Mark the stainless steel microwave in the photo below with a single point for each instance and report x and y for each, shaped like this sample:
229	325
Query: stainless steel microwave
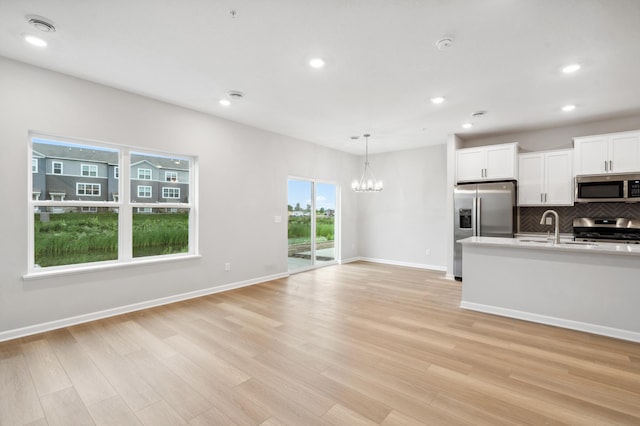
608	188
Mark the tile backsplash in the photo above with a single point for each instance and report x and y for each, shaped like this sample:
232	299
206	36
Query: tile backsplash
529	217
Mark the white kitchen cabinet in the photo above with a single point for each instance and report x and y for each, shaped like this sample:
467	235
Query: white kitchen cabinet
493	162
545	178
610	153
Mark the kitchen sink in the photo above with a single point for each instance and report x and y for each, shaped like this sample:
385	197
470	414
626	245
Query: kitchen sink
562	243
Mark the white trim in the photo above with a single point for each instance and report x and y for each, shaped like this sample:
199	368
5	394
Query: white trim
407	264
170	189
34	162
116	172
146	170
90	167
166	175
145	196
85	184
79	319
555	321
53	168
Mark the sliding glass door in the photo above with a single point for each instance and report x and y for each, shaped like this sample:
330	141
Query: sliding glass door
312	223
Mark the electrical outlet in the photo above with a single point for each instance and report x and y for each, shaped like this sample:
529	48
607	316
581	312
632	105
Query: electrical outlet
547	220
227	266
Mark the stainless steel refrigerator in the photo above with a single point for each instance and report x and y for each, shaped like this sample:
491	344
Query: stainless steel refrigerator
482	209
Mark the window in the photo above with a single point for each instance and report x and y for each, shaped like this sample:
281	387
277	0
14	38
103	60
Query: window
171	177
144	191
171	193
56	168
105	219
92	189
144	174
90	170
34	165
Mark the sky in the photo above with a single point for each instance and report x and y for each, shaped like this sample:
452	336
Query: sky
300	192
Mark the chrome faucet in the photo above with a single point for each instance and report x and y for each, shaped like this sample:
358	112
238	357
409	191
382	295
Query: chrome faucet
556	235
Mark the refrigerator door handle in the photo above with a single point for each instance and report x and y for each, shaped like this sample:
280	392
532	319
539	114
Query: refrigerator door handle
473	217
478	216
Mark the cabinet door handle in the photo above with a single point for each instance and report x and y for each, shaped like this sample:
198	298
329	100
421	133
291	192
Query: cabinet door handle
541	197
545	197
606	167
610	165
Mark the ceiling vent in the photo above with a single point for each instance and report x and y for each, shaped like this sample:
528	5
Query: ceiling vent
478	114
41	24
236	95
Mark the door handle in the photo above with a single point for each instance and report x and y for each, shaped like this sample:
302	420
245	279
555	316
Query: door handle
479	212
606	167
545	197
541	197
473	217
610	165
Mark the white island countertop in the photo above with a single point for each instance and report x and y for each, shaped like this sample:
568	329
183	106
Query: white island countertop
564	246
588	287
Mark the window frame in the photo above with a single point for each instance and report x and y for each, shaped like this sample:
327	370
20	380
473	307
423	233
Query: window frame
53	168
85	185
124	205
116	172
167	175
145	170
90	168
145	186
170	189
34	165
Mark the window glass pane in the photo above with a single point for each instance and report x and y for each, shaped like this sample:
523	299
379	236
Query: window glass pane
299	228
158	179
88	171
325	222
159	231
71	235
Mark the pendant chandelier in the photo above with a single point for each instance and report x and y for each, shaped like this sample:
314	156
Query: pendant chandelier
368	181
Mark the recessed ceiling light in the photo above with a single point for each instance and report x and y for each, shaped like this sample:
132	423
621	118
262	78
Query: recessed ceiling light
437	100
316	63
225	102
467	125
568	108
35	41
571	68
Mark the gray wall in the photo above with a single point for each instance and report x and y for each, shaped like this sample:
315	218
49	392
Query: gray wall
408	217
242	186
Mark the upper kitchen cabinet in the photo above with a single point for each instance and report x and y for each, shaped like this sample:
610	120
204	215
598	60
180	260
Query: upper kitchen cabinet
493	162
545	178
611	153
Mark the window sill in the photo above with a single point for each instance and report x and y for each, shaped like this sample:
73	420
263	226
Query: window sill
104	266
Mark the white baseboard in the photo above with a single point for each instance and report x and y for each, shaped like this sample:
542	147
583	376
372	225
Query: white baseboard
407	264
66	322
350	260
558	322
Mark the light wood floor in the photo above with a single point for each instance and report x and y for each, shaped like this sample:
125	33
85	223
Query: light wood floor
357	344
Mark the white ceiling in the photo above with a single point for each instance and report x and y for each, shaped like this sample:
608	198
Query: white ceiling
382	65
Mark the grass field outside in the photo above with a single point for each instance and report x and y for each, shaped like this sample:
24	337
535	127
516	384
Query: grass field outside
73	238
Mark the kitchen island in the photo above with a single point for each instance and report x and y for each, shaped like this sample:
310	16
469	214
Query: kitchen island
587	287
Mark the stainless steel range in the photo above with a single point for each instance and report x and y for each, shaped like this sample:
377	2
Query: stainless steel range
607	229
